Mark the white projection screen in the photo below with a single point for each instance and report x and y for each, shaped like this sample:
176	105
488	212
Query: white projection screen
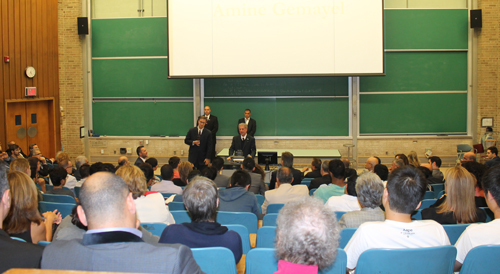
259	38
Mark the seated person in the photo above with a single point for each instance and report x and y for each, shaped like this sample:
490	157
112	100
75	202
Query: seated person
174	162
458	206
287	161
70	179
154	164
307	237
347	202
209	172
243	143
436	164
285	191
478	171
149	173
58	177
220	180
200	199
184	169
492	154
325	178
482	234
369	188
336	187
405	189
314	171
85	173
382	171
257	186
166	185
237	198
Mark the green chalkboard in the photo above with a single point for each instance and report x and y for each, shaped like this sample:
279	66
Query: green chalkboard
420	71
129	37
284	117
142	118
413	113
137	78
426	29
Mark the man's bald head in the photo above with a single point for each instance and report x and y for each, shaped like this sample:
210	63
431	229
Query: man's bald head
104	201
346	162
469	157
371	163
123	161
284	176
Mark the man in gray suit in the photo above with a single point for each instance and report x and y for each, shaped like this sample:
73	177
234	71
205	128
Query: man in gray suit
257	186
221	180
112	242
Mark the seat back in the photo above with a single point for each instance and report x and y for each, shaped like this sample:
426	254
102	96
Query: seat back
306	181
154	228
265	237
339	214
43	243
441	193
167	195
214	260
49	187
426	203
260	199
311	192
180	216
176	206
430	260
63	208
244	235
274	208
247	219
482	259
77	191
417	214
454	231
59	198
489	214
18	239
429	195
269	219
345	236
437	189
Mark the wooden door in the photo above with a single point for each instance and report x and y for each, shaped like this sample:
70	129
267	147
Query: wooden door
38	126
16	125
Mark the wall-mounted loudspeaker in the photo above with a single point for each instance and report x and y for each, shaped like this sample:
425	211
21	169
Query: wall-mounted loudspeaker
476	19
83	25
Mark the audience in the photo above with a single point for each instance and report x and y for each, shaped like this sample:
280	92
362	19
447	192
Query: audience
314	171
79	161
70	180
405	189
45	165
85	173
371	163
60	156
369	188
458	205
346	202
184	169
237	198
325	178
148	173
285	191
307	237
337	185
492	154
58	177
123	161
257	186
396	163
209	172
413	159
478	171
112	242
286	161
469	157
35	172
142	153
382	171
166	185
436	164
200	200
154	164
174	162
220	180
403	157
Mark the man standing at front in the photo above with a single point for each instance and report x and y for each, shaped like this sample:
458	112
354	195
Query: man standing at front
251	123
213	126
199	140
143	154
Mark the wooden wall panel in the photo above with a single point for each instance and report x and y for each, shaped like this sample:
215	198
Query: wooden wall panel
29	37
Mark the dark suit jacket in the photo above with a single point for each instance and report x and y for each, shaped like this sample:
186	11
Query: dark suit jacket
16	254
197	154
297	178
315	183
493	162
118	252
247	146
213	126
313	174
252	126
138	161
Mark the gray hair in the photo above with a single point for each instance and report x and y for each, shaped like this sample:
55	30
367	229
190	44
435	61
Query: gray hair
200	199
287	159
34	151
399	162
285	175
369	188
4	183
242	124
325	165
80	161
307	233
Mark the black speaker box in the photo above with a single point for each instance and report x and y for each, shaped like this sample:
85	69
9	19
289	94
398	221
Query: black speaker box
83	25
476	19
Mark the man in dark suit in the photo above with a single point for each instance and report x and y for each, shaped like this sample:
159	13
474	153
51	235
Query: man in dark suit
251	124
325	178
243	142
143	154
287	161
213	126
113	243
199	140
314	170
13	253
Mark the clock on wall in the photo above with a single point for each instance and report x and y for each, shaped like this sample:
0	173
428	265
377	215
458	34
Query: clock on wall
30	72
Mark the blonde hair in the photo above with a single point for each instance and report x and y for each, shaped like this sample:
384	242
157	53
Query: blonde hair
135	179
24	206
460	195
184	168
60	156
20	164
413	159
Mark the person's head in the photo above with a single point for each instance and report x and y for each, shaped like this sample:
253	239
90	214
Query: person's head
174	161
378	160
16	150
287	159
135	179
60	156
85	171
80	160
32	146
35	152
20	164
247	113
248	164
492	152
106	202
397	163
202	121
96	167
336	169
284	176
350	188
435	162
402	157
193	173
123	161
58	176
346	162
184	168
371	163
491	186
382	171
459	187
142	152
405	189
218	163
370	189
66	164
4	195
167	172
307	233
489	129
149	173
426	171
241	178
413	159
242	129
324	167
207	110
201	199
316	164
34	166
153	162
469	157
210	172
477	170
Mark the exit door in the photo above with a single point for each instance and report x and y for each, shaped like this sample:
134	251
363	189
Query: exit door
32	122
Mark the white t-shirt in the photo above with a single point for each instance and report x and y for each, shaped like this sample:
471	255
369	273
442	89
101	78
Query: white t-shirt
152	209
70	182
343	203
476	235
392	234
